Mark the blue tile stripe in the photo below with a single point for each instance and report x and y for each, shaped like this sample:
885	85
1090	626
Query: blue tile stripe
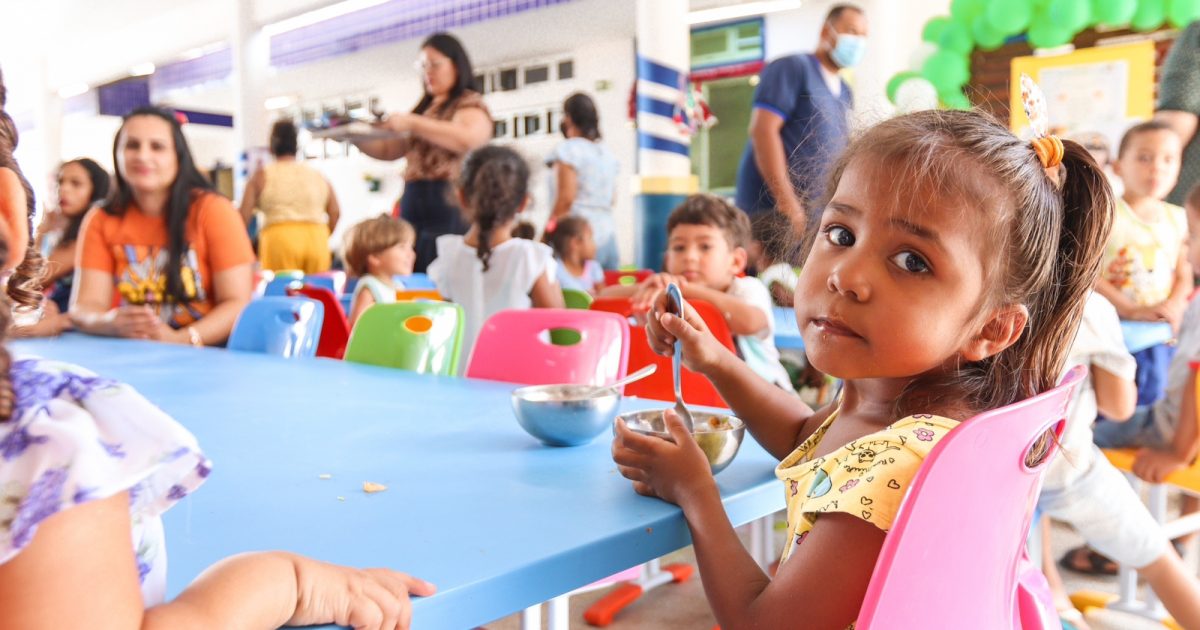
655	106
654	72
656	143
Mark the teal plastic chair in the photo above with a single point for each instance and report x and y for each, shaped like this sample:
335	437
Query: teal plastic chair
422	337
281	326
574	298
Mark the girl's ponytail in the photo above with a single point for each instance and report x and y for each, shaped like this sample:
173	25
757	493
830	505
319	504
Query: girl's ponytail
495	183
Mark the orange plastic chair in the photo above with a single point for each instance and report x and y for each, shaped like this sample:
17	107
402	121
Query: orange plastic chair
598	357
697	390
335	330
409	295
625	276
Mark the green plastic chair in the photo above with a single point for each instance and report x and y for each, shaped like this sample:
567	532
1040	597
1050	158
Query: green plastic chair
575	298
423	337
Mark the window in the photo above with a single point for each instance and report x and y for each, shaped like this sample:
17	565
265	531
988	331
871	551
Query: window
533	124
500	128
537	74
566	69
481	83
727	44
508	80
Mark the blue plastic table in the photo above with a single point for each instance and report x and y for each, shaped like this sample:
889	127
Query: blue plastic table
498	521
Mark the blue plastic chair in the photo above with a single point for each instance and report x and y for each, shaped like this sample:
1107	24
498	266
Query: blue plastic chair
417	281
288	327
278	287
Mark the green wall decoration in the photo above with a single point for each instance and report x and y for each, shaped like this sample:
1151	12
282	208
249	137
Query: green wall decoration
987	24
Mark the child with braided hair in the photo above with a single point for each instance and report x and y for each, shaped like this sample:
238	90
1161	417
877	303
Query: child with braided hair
487	270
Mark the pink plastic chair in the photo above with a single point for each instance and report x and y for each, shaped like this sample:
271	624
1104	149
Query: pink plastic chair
955	556
515	346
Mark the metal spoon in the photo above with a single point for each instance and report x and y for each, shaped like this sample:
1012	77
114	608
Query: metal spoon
675	307
636	376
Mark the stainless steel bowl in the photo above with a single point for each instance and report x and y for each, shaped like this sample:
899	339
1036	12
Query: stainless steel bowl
719	435
565	415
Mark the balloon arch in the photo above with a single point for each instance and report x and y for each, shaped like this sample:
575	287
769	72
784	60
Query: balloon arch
944	67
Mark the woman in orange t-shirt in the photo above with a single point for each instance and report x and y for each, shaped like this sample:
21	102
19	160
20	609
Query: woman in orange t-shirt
169	258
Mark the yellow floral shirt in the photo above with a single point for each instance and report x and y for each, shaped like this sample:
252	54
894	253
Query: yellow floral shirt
866	478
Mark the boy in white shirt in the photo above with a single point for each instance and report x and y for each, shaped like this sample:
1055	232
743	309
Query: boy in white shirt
706	252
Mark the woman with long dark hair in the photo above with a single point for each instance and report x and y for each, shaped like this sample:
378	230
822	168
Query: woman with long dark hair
585	176
449	121
82	185
168	250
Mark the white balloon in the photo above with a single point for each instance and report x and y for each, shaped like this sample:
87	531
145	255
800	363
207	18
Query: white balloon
923	52
916	94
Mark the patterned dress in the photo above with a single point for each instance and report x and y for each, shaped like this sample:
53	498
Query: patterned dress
76	437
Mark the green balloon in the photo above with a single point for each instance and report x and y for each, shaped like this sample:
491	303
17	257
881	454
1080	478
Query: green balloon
934	28
1044	34
1113	12
893	84
1183	12
1009	17
1150	14
1073	15
955	100
986	36
957	37
965	11
946	70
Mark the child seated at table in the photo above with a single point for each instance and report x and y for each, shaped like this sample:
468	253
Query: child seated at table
487	270
770	249
947	278
706	252
575	252
378	250
1082	489
1146	274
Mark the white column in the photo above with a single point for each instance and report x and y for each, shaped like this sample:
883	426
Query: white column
251	59
663	59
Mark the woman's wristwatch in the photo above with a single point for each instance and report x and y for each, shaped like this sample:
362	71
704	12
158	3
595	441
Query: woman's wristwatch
194	337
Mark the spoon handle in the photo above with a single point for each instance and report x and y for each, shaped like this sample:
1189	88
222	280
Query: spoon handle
675	307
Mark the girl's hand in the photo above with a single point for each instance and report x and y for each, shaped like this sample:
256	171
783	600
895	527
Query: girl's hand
364	599
673	471
1154	466
1171	312
135	322
701	350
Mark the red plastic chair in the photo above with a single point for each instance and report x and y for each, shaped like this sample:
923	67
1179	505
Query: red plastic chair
619	276
335	330
515	346
697	390
955	556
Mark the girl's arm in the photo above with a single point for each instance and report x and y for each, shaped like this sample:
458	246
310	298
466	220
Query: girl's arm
82	557
743	317
776	418
820	586
250	196
92	312
568	188
362	302
60	262
468	129
383	149
546	293
333	211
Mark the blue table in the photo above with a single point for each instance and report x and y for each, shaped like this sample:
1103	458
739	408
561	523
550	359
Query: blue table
498	521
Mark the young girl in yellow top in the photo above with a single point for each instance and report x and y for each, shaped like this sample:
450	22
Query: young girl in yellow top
947	276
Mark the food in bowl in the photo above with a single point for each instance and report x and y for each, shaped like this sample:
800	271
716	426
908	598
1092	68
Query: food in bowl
718	435
565	415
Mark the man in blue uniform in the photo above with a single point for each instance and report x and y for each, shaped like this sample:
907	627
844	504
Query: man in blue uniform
800	121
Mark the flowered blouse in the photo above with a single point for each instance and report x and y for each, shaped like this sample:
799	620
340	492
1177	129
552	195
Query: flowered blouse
76	437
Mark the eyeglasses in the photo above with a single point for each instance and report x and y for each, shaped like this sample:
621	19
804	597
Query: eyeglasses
422	65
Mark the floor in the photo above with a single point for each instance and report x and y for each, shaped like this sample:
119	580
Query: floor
683	606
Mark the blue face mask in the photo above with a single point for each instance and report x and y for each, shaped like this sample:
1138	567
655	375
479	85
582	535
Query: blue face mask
848	50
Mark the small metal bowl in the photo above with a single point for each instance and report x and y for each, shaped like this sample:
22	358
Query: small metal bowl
565	415
719	435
